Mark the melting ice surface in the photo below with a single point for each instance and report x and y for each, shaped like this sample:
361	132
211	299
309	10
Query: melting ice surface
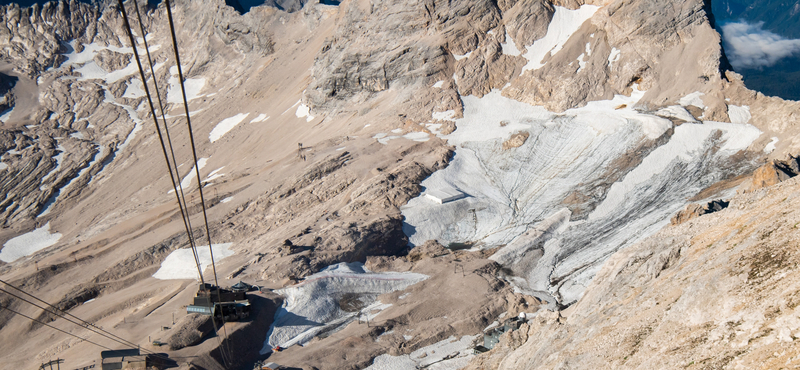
27	244
585	184
448	354
313	306
180	263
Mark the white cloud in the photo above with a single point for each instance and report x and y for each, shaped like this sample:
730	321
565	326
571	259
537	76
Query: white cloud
750	46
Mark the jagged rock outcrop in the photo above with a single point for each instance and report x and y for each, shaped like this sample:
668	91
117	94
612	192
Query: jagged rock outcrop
644	36
695	210
773	172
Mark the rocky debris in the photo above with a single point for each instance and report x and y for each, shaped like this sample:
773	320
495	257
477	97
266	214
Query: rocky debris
189	331
430	249
696	210
111	61
773	172
516	140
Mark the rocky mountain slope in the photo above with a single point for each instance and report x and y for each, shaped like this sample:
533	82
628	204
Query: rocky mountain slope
715	292
575	129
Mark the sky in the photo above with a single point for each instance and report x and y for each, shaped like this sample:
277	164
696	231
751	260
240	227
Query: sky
750	46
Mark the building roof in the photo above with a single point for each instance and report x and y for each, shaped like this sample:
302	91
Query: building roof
120	353
444	194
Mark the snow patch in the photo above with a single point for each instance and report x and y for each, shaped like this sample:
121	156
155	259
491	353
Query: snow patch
193	86
261	118
417	136
677	112
226	200
459	57
187	181
214	174
564	23
444	116
581	63
739	114
694	99
614	56
180	263
304	111
225	126
438	84
29	243
509	48
312	306
771	146
135	89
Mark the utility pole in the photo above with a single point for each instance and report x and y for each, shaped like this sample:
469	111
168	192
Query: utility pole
57	362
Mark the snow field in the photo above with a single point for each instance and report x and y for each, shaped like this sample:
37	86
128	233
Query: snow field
29	243
517	197
564	23
313	305
180	264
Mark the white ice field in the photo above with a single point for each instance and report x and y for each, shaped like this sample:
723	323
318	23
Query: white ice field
567	162
313	306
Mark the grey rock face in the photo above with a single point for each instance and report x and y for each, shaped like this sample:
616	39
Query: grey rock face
383	45
33	37
526	21
6	95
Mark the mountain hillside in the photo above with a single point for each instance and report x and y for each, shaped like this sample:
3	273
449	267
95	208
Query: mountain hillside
396	177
